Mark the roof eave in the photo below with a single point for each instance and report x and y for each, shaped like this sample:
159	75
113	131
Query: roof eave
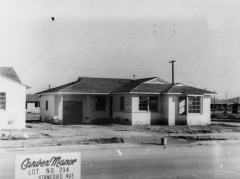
83	93
15	81
209	93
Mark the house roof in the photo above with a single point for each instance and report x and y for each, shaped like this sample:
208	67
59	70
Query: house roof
57	89
131	85
151	88
95	85
9	72
188	90
90	85
32	98
114	85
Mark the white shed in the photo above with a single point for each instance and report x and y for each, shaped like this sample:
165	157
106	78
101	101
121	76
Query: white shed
12	100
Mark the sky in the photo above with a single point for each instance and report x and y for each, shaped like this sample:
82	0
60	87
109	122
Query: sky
122	38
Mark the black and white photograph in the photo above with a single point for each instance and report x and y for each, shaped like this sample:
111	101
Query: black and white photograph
119	89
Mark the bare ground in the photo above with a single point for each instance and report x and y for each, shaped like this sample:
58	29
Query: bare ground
40	134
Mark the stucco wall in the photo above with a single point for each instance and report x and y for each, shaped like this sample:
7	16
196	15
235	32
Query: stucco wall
131	111
206	118
47	115
156	118
203	118
127	103
55	107
172	117
141	118
15	105
122	118
146	118
172	109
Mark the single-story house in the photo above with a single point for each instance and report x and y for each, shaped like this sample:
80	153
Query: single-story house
32	103
134	102
12	100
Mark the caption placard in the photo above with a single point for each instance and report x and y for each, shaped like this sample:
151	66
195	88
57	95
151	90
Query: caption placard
48	166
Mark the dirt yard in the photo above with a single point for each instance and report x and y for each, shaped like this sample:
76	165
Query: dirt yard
40	134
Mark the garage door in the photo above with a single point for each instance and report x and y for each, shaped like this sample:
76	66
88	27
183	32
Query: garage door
72	112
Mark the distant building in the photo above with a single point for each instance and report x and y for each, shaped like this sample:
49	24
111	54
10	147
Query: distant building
235	104
220	105
232	104
133	102
12	100
32	103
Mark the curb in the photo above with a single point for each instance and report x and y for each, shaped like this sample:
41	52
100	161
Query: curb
69	147
214	142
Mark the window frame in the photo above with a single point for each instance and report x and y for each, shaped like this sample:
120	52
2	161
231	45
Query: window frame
3	101
144	102
194	106
46	105
100	107
150	103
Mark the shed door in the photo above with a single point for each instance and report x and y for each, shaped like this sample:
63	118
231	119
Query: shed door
72	112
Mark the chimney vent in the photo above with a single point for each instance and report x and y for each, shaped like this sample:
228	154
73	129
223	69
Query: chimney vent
133	77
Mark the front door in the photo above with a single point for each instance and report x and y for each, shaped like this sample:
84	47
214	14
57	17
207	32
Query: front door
72	112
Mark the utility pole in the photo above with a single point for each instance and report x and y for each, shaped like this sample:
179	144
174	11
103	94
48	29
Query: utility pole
226	103
214	105
172	70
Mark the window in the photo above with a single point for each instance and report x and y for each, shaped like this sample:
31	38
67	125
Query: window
143	103
100	103
182	106
153	103
3	101
194	104
121	103
46	105
37	104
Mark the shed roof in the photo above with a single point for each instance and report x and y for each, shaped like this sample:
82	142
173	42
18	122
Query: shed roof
32	98
9	72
